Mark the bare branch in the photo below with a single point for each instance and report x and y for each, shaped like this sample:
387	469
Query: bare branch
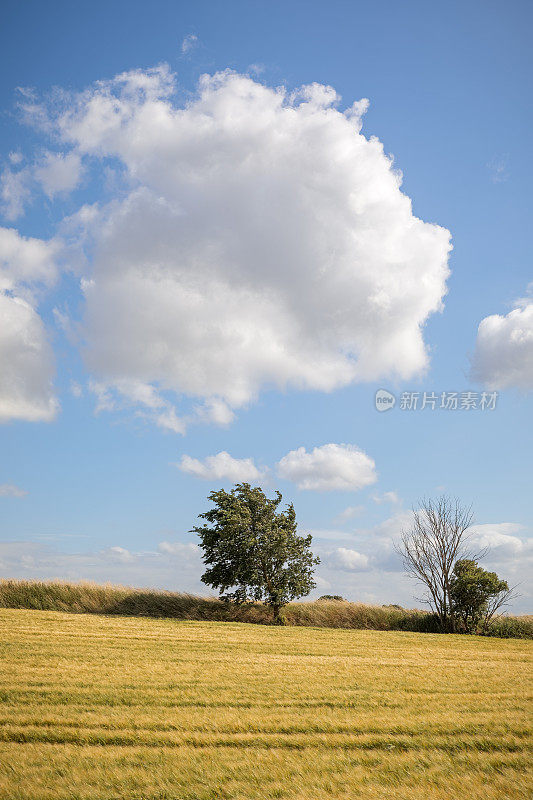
437	539
498	602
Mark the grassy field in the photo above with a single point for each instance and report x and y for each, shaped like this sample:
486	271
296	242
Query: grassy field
134	708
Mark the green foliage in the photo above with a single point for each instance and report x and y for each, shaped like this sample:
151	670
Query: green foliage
252	550
418	622
337	597
471	591
510	627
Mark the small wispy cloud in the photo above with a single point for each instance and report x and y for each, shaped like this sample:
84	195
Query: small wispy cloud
349	513
76	389
189	43
386	497
527	300
10	490
498	168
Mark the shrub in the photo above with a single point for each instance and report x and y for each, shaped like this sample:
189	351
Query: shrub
510	627
331	597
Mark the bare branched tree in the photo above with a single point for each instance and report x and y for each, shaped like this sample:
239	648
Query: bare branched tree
438	538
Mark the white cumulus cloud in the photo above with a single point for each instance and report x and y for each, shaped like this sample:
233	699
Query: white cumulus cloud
117	553
502	540
351	560
260	240
26	359
26	364
223	467
503	357
328	468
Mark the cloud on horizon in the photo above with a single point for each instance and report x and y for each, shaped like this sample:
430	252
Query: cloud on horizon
361	565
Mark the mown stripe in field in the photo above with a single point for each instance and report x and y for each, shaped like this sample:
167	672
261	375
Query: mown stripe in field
356	740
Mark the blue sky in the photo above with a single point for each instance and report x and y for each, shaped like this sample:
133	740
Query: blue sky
229	267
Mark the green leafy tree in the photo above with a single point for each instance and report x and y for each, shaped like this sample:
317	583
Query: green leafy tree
253	551
476	594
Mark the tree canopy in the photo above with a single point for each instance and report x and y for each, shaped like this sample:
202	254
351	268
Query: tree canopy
475	594
252	550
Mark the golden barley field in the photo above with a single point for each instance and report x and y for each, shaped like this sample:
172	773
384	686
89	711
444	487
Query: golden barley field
143	709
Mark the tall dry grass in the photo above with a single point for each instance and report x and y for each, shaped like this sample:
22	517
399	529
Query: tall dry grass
92	598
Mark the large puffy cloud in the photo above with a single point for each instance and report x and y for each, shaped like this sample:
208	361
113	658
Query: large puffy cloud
222	467
26	361
503	356
328	468
261	241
